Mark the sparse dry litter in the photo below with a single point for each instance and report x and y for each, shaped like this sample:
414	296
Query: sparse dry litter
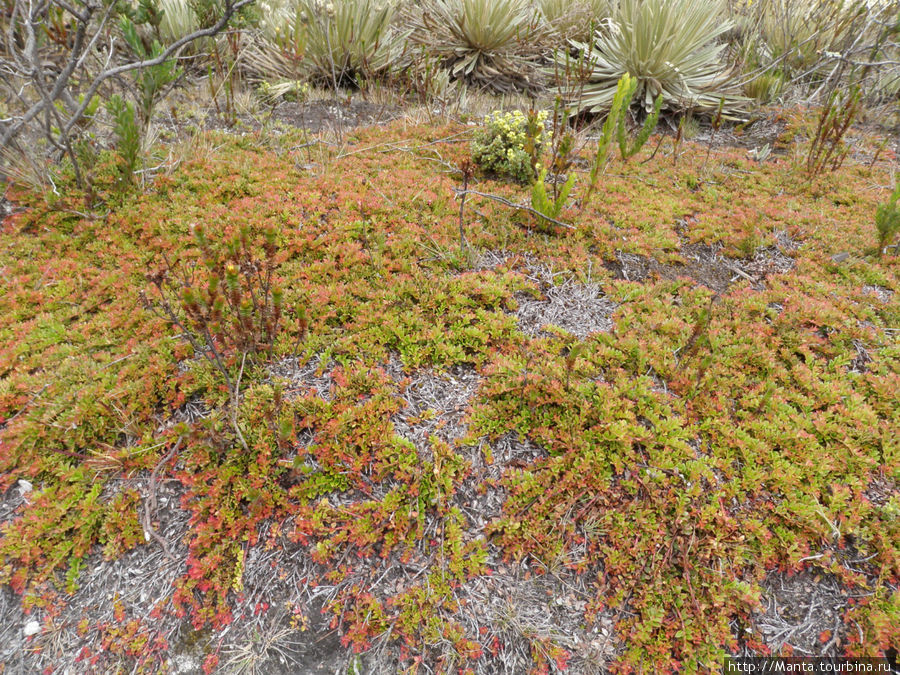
706	265
578	308
803	613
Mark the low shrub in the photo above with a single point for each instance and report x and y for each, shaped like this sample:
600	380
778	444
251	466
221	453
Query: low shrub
510	144
887	220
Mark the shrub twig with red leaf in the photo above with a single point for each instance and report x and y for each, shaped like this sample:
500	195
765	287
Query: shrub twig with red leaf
232	311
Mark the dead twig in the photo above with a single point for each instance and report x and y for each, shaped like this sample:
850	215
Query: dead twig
737	270
150	505
520	207
467	170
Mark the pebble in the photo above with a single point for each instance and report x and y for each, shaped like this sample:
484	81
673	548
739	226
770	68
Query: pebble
31	628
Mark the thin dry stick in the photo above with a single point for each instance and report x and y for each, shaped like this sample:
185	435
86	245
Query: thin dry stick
739	271
236	397
467	170
150	502
520	207
655	150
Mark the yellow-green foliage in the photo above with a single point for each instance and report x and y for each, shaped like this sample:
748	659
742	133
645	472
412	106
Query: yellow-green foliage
510	144
542	202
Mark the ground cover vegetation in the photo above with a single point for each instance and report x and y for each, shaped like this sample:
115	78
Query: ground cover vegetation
596	372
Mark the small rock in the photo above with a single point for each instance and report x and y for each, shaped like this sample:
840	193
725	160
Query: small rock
31	628
24	487
840	257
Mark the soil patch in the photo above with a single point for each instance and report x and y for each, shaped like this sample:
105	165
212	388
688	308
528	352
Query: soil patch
314	116
7	208
480	496
523	608
706	265
14	498
330	115
883	294
798	611
881	489
765	128
281	628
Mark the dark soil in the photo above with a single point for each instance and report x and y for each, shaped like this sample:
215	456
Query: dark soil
335	115
704	264
764	128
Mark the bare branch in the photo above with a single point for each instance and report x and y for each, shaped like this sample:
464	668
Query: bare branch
81	48
230	9
61	81
520	207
